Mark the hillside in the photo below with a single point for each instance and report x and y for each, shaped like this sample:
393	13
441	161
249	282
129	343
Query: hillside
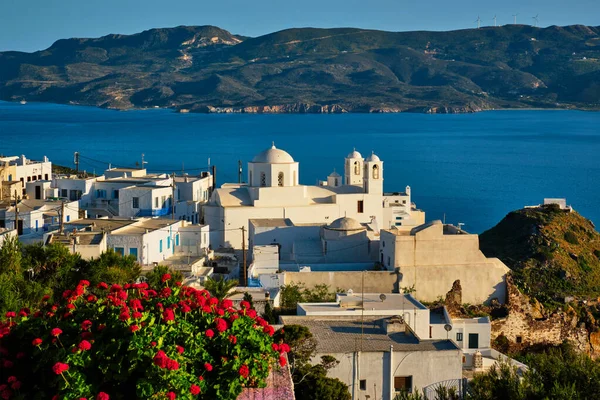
553	253
207	69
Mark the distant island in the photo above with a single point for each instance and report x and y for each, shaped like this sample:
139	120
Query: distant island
306	70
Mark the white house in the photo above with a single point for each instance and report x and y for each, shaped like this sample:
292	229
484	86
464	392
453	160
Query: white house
274	192
39	216
380	357
24	170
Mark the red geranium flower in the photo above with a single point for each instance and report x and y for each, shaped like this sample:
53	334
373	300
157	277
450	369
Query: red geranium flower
10	314
173	365
221	324
244	371
180	349
59	368
134	328
161	359
102	396
168	315
244	304
171	396
36	342
165	277
209	333
208	367
56	332
195	390
282	361
269	330
84	345
233	339
87	324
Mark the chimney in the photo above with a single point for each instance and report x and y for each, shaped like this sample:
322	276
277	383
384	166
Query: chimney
395	324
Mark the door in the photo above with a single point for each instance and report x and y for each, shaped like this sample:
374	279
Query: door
20	227
473	340
38	192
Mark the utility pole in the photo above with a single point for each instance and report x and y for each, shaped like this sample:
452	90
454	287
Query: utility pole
173	197
62	216
17	213
214	175
239	171
243	274
76	161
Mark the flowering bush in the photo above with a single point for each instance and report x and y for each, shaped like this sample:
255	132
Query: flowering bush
113	342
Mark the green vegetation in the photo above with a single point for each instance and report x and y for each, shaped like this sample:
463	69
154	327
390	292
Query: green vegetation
552	253
135	342
557	373
29	272
310	381
316	70
295	293
220	287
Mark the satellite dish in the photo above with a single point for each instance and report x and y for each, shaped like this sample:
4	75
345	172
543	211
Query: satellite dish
382	297
448	327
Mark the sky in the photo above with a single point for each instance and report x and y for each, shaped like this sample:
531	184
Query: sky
30	25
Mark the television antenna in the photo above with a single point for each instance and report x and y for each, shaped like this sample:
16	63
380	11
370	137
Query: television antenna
515	17
478	20
535	20
143	162
460	225
495	24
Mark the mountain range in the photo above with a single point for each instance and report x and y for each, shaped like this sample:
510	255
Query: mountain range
207	69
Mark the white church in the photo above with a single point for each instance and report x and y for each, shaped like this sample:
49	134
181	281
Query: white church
273	193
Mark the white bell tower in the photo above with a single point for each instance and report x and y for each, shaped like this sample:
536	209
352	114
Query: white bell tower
353	168
373	175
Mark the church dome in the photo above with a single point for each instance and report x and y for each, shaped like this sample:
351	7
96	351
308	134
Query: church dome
354	154
334	174
345	224
273	156
373	158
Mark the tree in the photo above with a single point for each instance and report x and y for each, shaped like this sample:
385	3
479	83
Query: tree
154	277
10	255
220	287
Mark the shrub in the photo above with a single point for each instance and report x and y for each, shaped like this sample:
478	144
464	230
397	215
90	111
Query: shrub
135	342
570	237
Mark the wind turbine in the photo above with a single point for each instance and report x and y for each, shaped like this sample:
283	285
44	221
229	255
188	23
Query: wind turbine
535	20
515	16
495	24
478	20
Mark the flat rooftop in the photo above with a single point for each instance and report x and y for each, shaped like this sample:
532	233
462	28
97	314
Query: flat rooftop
345	336
271	222
145	187
140	226
85	238
98	224
372	301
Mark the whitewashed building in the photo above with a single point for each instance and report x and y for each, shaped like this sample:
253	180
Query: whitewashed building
274	192
39	216
381	357
19	168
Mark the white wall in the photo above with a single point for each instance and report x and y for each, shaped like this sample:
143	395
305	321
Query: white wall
425	367
73	186
193	240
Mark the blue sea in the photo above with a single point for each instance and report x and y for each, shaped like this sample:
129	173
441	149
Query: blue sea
470	168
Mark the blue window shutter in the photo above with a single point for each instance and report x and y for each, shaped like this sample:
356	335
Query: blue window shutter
160	246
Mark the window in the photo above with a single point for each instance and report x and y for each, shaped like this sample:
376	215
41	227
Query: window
363	384
263	179
336	182
280	179
177	240
398	218
136	202
160	245
403	201
68	218
120	250
133	252
156	202
403	384
75	195
101	193
376	171
459	336
163	201
46	176
360	206
64	192
115	194
519	339
168	242
473	340
356	168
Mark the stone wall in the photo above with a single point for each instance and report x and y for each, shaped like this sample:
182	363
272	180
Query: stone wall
526	324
